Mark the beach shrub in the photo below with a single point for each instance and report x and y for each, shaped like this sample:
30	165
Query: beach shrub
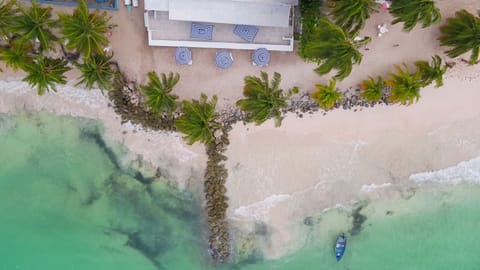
34	24
352	14
199	120
462	33
432	72
85	32
331	48
44	73
405	86
97	70
158	92
327	96
264	99
411	12
373	90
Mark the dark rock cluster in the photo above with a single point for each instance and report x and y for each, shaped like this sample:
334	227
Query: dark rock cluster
126	103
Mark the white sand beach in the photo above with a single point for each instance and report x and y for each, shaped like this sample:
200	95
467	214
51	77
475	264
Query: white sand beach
280	175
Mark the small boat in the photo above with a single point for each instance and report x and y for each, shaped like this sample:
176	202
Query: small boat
340	247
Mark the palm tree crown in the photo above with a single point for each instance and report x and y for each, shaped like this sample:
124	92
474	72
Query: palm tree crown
18	55
373	90
263	99
34	24
84	31
45	72
411	12
97	70
462	32
332	49
352	14
327	95
433	72
158	92
405	86
198	120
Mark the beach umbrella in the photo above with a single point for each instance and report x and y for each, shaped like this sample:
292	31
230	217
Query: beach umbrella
261	57
183	56
223	59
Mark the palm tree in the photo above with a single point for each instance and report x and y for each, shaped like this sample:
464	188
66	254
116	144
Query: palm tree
373	90
462	32
352	14
18	55
45	72
327	96
34	24
84	31
97	70
158	92
411	12
199	120
263	99
433	72
405	86
330	47
7	13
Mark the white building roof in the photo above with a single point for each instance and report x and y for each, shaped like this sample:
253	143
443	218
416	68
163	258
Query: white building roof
273	13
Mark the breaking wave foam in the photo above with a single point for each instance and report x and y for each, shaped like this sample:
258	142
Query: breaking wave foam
465	171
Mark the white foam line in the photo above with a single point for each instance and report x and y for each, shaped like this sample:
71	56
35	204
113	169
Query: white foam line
372	187
259	210
465	171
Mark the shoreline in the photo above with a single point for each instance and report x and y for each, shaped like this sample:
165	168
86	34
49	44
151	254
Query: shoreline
325	152
278	176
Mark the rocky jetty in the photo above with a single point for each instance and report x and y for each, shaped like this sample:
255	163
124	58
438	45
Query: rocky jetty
215	195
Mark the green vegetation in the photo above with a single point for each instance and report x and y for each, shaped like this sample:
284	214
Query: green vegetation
351	15
34	24
198	120
263	99
97	70
331	48
462	32
327	95
158	92
411	12
7	13
18	55
373	90
84	31
310	13
432	72
44	73
405	86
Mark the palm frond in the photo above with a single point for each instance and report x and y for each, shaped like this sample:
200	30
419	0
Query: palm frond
44	73
158	92
327	96
263	99
199	120
462	34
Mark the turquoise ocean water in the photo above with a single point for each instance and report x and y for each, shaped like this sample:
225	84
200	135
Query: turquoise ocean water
68	200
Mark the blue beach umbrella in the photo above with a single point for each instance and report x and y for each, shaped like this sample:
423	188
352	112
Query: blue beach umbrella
183	56
223	59
261	57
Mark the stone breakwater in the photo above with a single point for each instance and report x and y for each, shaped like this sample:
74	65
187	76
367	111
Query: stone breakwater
127	102
216	201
